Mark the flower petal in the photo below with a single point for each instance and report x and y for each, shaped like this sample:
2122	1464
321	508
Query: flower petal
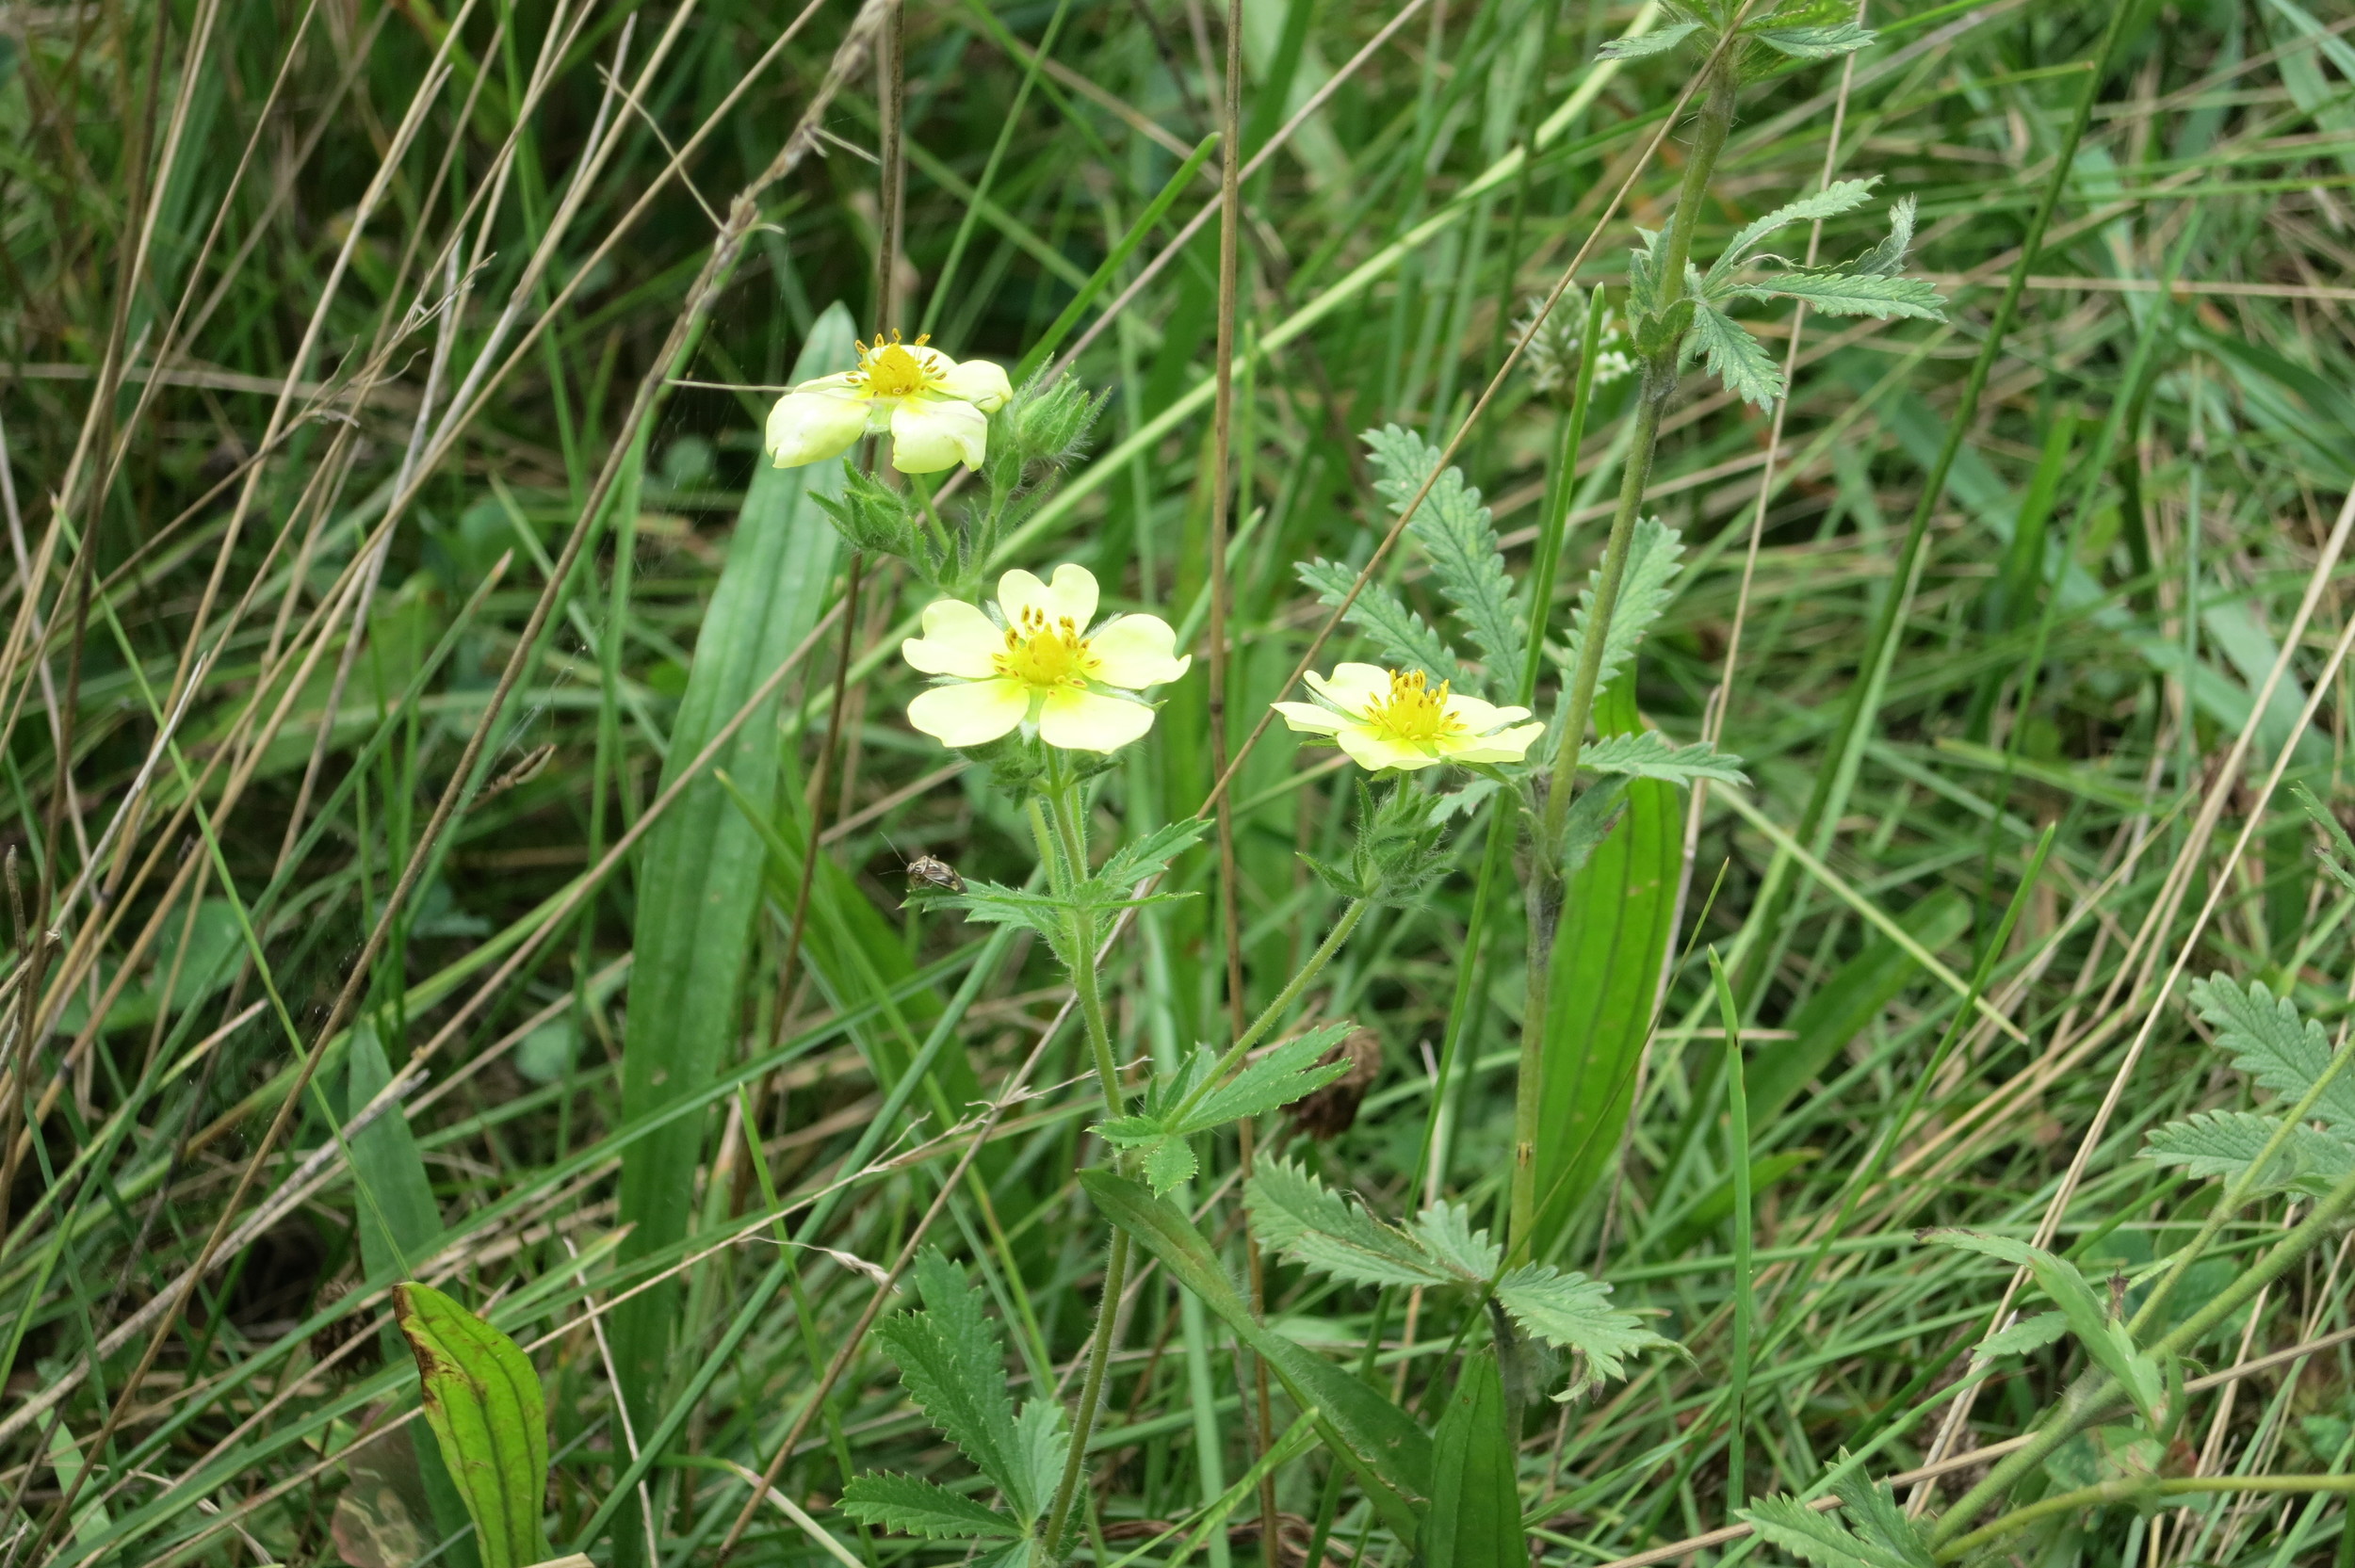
1137	651
929	434
978	382
810	426
1504	746
1079	720
1308	719
958	641
1352	688
970	712
1072	593
1479	717
1374	752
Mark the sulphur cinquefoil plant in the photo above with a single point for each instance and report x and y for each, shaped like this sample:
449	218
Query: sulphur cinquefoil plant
1448	784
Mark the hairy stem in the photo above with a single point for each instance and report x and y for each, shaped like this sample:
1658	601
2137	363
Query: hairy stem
1545	882
1090	1391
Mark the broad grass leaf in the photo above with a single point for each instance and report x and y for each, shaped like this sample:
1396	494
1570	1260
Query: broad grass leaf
1474	1519
483	1401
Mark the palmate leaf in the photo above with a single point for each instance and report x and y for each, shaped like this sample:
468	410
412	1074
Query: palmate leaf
1571	1312
1294	1214
1874	1534
2269	1043
1460	537
1160	1131
1658	42
1735	357
1650	754
915	1507
1654	553
1406	638
1849	293
1839	197
1815	43
2225	1143
952	1363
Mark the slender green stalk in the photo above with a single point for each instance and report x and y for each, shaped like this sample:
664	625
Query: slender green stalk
1545	884
1744	1277
2136	1489
1090	1391
1545	563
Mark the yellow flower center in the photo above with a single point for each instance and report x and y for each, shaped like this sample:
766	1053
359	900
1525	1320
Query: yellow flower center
1413	713
1045	655
891	370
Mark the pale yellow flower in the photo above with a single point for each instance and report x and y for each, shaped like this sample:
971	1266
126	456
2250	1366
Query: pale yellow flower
1031	659
935	408
1386	718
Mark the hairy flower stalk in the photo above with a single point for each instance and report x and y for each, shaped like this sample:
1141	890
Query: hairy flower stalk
1544	899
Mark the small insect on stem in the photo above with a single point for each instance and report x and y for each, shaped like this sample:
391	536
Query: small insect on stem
534	762
931	871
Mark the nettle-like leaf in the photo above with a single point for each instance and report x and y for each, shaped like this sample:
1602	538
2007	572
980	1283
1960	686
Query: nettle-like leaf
1839	197
1460	537
1735	357
1162	1131
1111	887
1406	638
1654	556
1874	1533
2272	1044
2227	1142
2106	1338
996	904
952	1363
1650	754
1815	43
1849	293
1116	878
1571	1312
1658	42
915	1507
1888	258
1299	1217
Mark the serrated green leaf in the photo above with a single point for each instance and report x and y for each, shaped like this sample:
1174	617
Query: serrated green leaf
1574	1313
1042	1442
1294	1214
1381	1443
1839	197
1168	1162
1654	556
1272	1082
488	1418
1117	878
1888	258
1446	1233
1849	293
1736	357
2272	1044
1874	1514
1823	1538
2028	1335
2225	1143
1658	42
1459	535
952	1363
1815	43
1405	639
1650	754
996	904
914	1506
